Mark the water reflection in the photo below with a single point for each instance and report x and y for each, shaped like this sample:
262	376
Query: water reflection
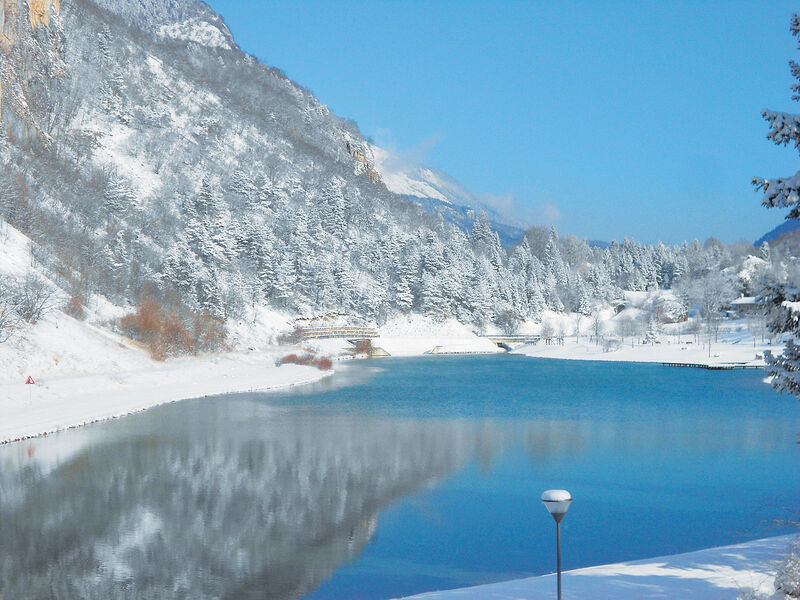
214	505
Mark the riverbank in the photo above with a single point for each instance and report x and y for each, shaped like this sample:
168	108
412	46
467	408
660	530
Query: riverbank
723	573
63	402
738	353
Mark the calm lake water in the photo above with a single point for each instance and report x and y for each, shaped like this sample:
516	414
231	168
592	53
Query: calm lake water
396	477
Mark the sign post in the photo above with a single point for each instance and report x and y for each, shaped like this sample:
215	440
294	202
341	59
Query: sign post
31	382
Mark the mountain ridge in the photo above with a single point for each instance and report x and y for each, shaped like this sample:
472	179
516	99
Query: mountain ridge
788	226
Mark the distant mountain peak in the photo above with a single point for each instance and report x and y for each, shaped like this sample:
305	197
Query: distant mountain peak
441	194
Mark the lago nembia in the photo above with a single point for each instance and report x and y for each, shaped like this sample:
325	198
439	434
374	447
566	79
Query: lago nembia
396	477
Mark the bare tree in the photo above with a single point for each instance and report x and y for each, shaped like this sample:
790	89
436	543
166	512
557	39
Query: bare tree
507	321
625	327
547	331
562	332
32	299
577	321
9	321
597	326
757	326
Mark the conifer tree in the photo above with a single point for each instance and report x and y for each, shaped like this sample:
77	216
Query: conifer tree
784	192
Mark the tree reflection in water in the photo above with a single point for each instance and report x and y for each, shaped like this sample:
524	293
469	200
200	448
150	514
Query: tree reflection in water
210	501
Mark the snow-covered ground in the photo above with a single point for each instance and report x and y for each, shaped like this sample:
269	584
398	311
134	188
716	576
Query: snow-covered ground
56	403
737	340
415	335
724	573
722	352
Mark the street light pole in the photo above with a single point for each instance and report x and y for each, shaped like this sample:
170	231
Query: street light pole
557	502
558	556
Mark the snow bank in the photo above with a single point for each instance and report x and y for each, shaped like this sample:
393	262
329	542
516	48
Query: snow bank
722	573
57	403
84	372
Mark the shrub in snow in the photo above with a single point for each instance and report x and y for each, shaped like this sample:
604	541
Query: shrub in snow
291	337
74	307
363	346
323	364
787	579
167	332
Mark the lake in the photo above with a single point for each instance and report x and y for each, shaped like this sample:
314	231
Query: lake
399	476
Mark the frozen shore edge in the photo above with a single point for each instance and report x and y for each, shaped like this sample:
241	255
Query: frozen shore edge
721	573
66	403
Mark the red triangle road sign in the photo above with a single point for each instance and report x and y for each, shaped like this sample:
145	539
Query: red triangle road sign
30	381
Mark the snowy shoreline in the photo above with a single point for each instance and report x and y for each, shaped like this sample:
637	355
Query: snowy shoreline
60	403
721	573
722	353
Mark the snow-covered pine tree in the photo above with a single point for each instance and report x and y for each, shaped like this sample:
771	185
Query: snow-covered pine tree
764	252
651	336
482	235
782	300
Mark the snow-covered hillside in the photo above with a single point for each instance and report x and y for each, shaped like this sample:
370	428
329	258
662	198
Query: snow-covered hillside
85	371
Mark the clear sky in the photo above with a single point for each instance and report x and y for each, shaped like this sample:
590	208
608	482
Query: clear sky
609	119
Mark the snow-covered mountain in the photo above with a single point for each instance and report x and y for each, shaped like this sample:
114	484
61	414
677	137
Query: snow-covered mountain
788	226
440	194
153	164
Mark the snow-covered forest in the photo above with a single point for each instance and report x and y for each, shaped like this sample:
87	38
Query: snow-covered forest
148	157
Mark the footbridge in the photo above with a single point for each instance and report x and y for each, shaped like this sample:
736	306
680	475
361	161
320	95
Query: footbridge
507	341
349	333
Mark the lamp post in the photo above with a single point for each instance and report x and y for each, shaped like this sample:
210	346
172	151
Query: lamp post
557	502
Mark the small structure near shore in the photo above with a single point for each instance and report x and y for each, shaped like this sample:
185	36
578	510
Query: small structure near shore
348	333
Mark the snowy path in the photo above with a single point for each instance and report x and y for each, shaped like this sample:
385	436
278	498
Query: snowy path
62	402
714	574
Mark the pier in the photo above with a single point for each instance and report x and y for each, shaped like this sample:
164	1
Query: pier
713	367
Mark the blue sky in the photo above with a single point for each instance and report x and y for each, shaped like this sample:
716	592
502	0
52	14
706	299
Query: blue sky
613	119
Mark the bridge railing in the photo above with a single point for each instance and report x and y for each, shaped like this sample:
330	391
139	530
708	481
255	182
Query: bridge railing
308	333
514	338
